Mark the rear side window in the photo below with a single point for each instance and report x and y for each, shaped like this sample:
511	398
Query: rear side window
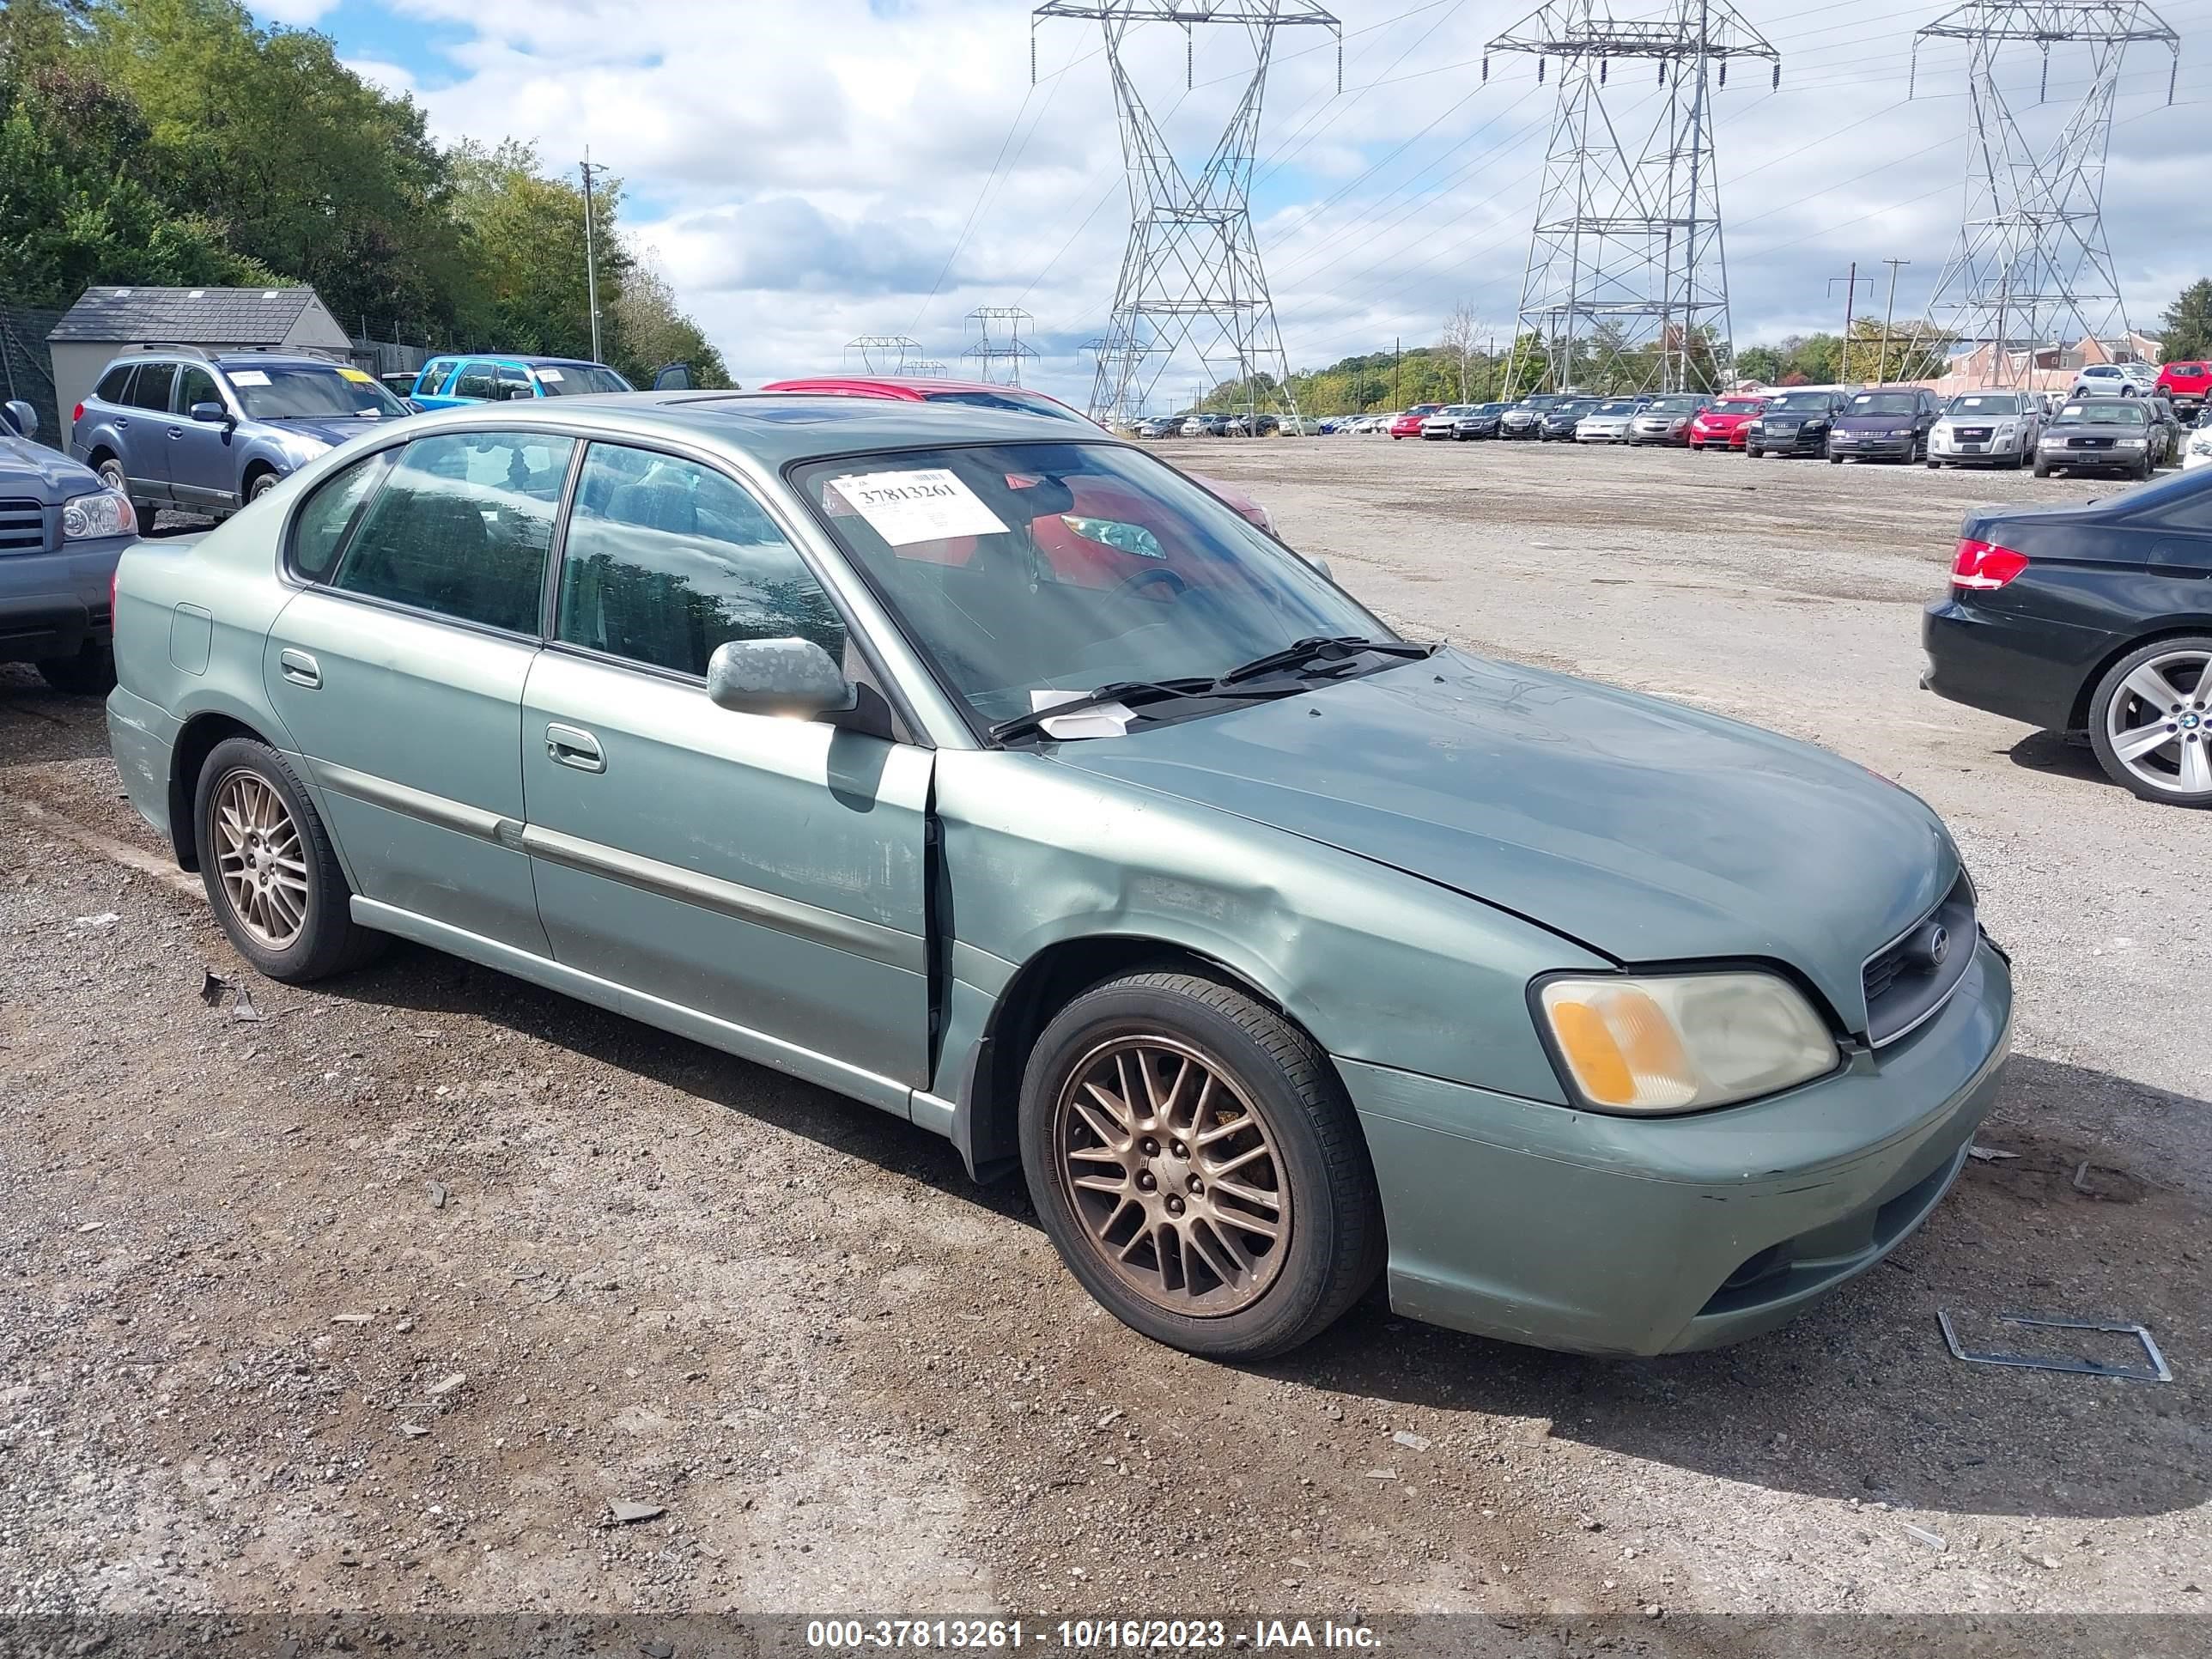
319	533
665	559
151	389
114	384
461	528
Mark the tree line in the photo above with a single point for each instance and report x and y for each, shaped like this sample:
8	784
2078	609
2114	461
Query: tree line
176	143
1469	364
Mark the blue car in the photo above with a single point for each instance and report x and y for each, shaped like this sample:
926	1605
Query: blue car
450	382
173	426
61	532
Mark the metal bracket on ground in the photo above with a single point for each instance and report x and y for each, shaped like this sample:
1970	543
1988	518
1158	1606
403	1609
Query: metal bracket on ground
2156	1372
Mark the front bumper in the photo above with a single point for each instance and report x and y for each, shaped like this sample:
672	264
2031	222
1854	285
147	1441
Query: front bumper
2090	460
1595	1234
53	604
1604	435
1799	442
1641	435
1872	446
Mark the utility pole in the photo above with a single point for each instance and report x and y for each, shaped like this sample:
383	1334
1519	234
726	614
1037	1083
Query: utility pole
1397	352
1851	292
1881	374
591	255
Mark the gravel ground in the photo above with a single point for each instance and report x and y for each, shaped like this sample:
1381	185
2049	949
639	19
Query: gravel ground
391	1297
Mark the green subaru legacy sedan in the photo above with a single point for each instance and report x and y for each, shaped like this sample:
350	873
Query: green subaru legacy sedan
1003	779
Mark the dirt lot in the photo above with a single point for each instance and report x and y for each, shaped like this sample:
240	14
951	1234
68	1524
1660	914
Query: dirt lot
383	1299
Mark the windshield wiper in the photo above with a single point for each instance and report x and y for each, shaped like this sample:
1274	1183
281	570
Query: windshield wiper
1340	649
1132	694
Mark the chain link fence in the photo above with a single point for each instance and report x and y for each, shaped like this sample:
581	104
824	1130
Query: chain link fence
27	371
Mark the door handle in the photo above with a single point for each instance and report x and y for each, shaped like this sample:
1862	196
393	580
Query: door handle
571	745
176	432
300	668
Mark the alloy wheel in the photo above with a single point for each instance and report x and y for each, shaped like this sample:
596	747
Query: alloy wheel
260	858
1173	1176
2160	724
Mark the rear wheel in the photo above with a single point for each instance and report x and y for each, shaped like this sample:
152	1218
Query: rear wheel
270	872
2150	721
1196	1164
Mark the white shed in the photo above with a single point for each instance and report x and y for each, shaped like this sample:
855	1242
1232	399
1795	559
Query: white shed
106	321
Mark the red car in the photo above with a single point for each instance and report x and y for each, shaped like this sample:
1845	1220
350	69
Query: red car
2186	386
977	395
1409	425
1724	425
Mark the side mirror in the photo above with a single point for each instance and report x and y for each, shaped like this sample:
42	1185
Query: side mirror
213	413
794	678
1321	567
21	416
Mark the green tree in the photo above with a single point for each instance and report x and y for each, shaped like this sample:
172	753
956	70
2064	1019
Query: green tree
649	330
523	250
2187	324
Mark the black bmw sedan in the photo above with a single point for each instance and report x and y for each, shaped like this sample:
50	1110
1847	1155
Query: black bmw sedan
2094	617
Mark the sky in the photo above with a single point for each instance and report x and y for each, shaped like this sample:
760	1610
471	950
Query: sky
809	172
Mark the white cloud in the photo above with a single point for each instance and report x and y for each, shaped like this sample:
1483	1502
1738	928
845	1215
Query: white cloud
298	14
804	168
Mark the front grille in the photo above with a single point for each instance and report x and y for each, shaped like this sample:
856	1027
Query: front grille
2088	443
1972	434
22	527
1914	975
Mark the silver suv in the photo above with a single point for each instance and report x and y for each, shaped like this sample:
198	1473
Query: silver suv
171	426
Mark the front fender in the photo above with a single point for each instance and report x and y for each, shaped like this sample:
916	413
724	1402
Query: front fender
1376	964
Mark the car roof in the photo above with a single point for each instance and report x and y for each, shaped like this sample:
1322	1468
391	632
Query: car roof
774	428
230	359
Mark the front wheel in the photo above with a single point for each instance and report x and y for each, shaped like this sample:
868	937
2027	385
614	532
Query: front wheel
1752	451
1934	465
2150	721
1194	1161
271	875
1835	460
2042	468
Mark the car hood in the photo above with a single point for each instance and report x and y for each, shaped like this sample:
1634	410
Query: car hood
1873	423
327	433
1643	830
45	475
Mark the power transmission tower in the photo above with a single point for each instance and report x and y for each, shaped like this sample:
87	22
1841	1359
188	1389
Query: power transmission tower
1626	284
1191	282
2032	271
883	353
989	353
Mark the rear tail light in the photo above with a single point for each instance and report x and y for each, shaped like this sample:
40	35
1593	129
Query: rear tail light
76	414
1985	564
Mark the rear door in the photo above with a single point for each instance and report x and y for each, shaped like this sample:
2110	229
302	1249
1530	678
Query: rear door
398	668
143	429
765	873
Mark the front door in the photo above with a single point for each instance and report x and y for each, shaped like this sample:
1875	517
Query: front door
202	457
399	671
765	873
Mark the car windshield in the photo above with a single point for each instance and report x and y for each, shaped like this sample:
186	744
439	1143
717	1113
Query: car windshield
1457	409
311	392
1618	406
1984	403
1799	403
577	379
1884	403
1737	406
2115	413
1031	573
1676	405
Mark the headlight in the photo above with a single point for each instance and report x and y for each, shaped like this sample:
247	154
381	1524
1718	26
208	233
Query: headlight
1683	1042
104	515
2132	443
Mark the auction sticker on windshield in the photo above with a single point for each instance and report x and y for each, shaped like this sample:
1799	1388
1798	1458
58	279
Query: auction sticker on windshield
927	504
358	376
248	377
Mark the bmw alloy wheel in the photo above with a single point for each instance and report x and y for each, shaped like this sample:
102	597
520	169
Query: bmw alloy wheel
2158	724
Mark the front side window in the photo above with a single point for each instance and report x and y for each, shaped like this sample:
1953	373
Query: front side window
1026	572
311	392
320	533
432	379
666	559
513	383
152	388
461	527
478	380
194	386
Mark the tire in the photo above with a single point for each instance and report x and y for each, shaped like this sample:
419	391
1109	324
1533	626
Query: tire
324	938
2042	468
1752	453
2142	470
1934	465
1279	1085
262	484
1835	460
2177	773
90	673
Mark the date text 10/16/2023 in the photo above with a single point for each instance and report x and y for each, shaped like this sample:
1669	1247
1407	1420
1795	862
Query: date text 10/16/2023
1086	1635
